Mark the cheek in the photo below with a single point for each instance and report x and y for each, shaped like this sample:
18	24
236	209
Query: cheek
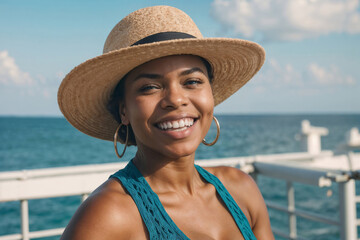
139	110
205	104
206	101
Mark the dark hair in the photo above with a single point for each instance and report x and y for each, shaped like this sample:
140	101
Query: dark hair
113	107
118	96
208	69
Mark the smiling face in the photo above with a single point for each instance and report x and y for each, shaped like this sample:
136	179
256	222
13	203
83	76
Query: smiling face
169	104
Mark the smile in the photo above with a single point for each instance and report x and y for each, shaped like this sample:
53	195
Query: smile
176	125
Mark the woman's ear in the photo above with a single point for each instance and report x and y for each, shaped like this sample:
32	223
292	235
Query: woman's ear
123	116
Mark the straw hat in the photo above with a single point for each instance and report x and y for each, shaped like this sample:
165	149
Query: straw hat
144	35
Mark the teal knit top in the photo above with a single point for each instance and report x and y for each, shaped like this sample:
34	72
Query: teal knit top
156	219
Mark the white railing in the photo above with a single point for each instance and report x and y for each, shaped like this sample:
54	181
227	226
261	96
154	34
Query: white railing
47	183
347	222
81	180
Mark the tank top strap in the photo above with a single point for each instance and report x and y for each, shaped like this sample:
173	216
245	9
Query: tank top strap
158	222
230	203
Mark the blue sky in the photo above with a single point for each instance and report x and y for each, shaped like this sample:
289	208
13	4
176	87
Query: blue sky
312	47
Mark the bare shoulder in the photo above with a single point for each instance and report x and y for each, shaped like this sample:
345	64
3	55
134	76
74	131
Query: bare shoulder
108	213
241	186
247	195
234	179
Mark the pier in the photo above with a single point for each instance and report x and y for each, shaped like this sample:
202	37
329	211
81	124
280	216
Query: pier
314	167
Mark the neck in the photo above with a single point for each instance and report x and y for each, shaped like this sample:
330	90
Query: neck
165	174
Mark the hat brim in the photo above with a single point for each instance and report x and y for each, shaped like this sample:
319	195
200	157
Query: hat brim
85	92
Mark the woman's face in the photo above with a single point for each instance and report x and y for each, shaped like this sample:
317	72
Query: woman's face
169	104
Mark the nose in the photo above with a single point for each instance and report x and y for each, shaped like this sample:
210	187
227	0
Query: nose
174	97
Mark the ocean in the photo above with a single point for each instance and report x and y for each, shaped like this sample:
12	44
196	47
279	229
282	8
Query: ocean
43	142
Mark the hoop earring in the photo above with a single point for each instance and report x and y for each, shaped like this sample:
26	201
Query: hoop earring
116	137
217	134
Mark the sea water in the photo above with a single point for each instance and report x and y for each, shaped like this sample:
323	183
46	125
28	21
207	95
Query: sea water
43	142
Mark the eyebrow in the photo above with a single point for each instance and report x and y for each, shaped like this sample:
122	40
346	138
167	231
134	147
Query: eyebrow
192	70
148	75
158	76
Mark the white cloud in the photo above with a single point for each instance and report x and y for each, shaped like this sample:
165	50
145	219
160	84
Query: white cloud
330	76
277	75
272	20
10	73
12	77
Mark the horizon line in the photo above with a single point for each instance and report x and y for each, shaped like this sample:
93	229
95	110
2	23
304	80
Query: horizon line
217	114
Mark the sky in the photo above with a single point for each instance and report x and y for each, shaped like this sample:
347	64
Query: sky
312	50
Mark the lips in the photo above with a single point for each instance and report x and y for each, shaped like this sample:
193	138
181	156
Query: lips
176	125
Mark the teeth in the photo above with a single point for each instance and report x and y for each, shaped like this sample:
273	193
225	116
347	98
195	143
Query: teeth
186	122
176	125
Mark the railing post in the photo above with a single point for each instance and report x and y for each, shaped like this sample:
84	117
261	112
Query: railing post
347	206
291	208
84	197
311	137
25	219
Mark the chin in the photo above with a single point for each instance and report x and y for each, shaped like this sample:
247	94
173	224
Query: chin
181	150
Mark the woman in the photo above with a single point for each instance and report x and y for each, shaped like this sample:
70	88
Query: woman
171	79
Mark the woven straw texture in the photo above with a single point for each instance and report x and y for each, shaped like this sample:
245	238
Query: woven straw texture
86	90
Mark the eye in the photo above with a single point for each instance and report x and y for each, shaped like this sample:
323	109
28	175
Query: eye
148	88
193	82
